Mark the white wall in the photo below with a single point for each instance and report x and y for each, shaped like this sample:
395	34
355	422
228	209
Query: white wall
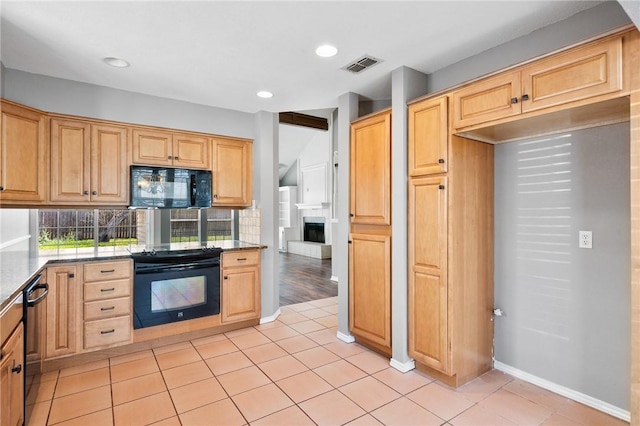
14	230
71	97
567	308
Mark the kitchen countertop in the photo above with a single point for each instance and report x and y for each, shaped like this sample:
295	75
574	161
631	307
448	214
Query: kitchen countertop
17	268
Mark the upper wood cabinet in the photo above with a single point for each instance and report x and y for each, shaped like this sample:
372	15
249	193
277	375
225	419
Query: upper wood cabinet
232	172
160	148
370	172
88	163
428	137
23	153
587	71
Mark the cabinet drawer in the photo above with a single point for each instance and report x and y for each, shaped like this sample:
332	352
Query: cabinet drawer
10	317
107	290
102	271
107	332
107	308
240	258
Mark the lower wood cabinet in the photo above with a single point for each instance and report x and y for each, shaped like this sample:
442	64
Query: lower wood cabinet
12	379
107	304
240	286
62	310
370	289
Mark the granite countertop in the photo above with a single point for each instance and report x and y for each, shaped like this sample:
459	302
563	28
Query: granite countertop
18	268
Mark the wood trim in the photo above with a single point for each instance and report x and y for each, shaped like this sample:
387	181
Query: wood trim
304	120
632	63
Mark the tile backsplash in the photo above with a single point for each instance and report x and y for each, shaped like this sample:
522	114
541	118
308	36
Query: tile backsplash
249	223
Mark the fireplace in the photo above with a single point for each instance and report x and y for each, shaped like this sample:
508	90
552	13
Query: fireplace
314	229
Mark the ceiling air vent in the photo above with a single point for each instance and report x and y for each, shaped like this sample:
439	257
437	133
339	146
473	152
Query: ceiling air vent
361	64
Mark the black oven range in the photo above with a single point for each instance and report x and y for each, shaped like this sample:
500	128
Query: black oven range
175	285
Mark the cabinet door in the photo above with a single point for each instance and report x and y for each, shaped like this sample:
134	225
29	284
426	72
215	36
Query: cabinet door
240	294
370	288
428	287
191	151
23	170
486	100
370	173
109	164
62	306
12	379
232	167
152	148
428	137
70	161
580	73
34	333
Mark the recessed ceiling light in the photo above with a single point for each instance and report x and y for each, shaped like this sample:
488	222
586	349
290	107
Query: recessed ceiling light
326	51
264	94
116	62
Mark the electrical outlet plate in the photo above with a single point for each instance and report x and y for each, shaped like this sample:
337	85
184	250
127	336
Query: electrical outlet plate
585	239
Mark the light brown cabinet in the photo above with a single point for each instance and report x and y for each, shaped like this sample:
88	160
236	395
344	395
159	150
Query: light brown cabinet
370	288
240	286
12	379
587	71
370	172
370	234
107	304
23	153
162	148
88	163
62	311
232	172
450	252
428	121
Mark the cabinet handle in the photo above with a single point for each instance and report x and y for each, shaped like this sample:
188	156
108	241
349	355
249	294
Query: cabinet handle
215	196
241	259
440	186
169	157
111	308
441	160
72	275
176	158
525	98
104	290
85	192
514	100
1	188
351	215
350	242
94	192
17	369
107	271
113	330
226	277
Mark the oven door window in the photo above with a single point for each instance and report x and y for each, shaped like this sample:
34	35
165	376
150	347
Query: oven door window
178	293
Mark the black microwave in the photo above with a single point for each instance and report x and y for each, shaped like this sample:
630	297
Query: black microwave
163	187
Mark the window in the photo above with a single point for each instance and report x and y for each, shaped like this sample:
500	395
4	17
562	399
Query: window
73	232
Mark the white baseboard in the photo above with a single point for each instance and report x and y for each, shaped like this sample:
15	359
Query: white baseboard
334	278
561	390
403	367
346	337
271	318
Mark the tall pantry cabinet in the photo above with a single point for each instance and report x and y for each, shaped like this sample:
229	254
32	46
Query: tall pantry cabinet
450	237
370	236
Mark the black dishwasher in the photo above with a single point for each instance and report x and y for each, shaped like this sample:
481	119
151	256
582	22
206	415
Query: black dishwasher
34	293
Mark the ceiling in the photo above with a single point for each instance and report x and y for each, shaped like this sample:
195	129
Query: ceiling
221	53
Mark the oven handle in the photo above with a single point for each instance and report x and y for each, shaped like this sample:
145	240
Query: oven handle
169	268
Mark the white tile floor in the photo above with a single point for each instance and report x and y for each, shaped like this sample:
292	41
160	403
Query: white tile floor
293	371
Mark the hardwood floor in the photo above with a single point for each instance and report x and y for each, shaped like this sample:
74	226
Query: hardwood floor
304	278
